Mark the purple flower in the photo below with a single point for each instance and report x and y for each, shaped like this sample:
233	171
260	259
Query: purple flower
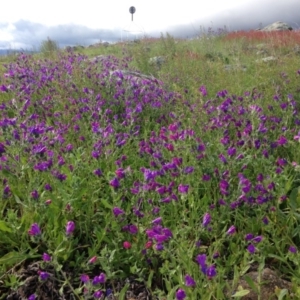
115	183
46	257
265	153
84	278
281	162
95	280
70	227
42	166
271	186
282	140
206	219
120	173
99	279
159	247
98	172
249	236
98	294
203	90
177	161
211	271
201	259
161	190
231	230
251	248
201	148
183	189
260	177
32	297
69	147
198	243
206	177
48	187
224	186
173	127
2	149
293	249
222	93
155	210
167	232
6	190
35	194
257	239
118	211
231	151
189	281
34	230
43	275
180	294
160	238
133	229
223	158
188	170
3	88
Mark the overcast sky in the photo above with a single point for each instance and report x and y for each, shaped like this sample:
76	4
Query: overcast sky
25	23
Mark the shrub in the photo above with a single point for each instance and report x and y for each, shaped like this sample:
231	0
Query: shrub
49	47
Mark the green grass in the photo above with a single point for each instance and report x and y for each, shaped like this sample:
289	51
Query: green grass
74	126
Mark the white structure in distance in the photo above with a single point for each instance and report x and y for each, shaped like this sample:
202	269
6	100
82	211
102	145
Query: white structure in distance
132	31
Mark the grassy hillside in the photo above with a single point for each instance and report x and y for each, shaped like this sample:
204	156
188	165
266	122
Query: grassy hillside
172	185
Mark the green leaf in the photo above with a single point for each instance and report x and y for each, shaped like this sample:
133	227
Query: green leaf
106	204
123	291
294	198
241	293
18	200
13	258
277	257
8	241
112	255
171	292
4	227
281	293
168	285
149	281
60	250
261	266
251	283
289	184
245	269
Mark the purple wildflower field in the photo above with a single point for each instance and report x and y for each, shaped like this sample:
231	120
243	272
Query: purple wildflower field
111	180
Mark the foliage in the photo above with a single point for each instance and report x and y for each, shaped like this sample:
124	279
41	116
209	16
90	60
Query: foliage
183	182
49	47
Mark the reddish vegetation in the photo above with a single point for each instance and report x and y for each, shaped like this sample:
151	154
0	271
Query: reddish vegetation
192	55
277	38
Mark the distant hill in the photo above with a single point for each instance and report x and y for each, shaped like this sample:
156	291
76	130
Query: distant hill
12	51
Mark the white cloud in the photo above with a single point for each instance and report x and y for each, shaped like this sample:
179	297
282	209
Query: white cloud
113	13
31	21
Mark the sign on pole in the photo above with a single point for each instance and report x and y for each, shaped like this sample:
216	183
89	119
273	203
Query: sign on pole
132	11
